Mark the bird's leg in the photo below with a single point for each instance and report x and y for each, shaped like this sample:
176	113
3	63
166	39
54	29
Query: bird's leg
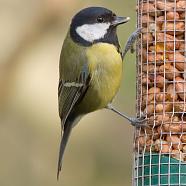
130	42
136	122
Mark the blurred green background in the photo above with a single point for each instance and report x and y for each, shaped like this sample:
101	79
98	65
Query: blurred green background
100	148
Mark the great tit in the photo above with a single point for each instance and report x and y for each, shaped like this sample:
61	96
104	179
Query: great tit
90	69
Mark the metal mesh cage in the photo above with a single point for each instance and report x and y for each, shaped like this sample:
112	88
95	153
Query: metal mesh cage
160	148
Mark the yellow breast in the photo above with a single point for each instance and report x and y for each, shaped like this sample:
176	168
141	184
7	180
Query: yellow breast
105	65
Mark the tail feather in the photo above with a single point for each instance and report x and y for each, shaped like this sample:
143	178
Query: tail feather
64	140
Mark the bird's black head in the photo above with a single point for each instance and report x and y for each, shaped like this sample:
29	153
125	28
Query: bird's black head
95	24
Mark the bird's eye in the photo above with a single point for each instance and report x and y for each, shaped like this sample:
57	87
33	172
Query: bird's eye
100	19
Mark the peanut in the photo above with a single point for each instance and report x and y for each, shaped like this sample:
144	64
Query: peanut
158	57
149	68
181	5
162	146
160	97
160	81
175	128
183	139
149	109
147	19
171	16
169	41
147	7
147	38
180	107
181	88
177	154
170	71
159	119
184	148
145	80
160	108
179	60
151	93
169	6
171	93
171	29
160	20
149	144
182	15
183	48
174	141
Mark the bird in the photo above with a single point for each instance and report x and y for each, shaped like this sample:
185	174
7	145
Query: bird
90	69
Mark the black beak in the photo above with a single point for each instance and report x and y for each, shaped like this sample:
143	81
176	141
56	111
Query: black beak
120	20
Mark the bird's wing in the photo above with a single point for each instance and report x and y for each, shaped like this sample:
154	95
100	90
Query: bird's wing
70	92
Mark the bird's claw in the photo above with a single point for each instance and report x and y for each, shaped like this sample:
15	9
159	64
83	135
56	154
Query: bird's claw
130	42
139	121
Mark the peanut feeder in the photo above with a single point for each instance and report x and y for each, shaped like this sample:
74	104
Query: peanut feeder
160	148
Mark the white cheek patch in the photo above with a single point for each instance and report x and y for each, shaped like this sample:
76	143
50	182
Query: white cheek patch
92	32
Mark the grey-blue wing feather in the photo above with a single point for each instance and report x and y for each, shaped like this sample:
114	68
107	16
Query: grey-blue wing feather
69	93
66	99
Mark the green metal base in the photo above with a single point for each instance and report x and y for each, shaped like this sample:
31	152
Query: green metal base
155	169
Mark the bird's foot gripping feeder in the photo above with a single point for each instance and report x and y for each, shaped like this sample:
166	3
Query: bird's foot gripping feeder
160	148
